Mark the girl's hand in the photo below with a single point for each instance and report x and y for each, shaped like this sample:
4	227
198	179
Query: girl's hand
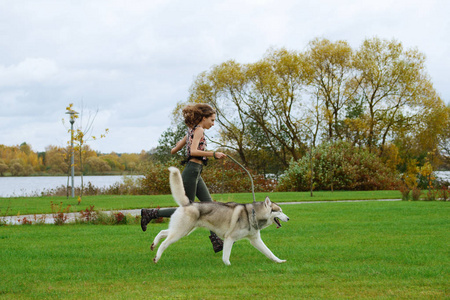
219	155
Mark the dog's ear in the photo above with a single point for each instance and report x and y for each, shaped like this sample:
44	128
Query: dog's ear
267	202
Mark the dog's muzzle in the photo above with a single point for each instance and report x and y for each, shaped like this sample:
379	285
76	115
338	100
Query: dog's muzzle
276	220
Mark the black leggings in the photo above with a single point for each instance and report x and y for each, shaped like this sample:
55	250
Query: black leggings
193	185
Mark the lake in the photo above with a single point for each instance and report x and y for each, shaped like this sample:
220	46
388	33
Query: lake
34	185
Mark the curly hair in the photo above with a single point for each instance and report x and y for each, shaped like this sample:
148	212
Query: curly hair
194	113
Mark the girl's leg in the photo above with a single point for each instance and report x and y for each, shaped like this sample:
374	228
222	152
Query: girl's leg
165	212
190	177
202	192
204	196
149	214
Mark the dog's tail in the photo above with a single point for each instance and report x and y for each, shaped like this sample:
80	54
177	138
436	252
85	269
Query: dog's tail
177	188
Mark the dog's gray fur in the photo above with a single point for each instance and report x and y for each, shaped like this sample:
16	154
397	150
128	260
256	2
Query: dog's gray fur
230	221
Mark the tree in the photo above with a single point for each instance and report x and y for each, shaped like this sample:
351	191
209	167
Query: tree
57	159
394	88
3	168
167	141
332	65
444	142
82	134
224	87
266	94
16	168
95	164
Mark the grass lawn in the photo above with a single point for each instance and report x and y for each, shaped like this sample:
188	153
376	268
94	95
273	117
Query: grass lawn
42	205
363	250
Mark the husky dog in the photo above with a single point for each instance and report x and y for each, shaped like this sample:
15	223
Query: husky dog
230	221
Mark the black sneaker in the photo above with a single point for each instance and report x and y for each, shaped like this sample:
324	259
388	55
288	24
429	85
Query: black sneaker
216	242
146	216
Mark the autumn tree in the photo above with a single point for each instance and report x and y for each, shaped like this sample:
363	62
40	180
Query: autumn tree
331	91
444	143
132	162
113	160
82	134
57	159
3	168
224	87
20	160
95	165
259	105
395	91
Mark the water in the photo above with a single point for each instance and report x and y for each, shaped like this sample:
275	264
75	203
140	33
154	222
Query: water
33	186
443	175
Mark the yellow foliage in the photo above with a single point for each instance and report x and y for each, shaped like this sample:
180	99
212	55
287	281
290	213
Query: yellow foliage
410	176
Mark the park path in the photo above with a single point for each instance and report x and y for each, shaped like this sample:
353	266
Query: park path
48	218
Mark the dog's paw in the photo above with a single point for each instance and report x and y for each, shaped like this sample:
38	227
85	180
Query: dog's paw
281	261
152	247
155	260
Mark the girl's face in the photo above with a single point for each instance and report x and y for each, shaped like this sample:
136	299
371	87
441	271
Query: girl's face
208	122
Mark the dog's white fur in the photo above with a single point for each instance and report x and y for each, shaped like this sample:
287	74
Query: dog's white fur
230	221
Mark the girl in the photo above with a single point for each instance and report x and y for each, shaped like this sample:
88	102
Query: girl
198	118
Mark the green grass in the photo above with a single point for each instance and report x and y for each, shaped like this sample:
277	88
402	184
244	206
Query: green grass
363	250
41	205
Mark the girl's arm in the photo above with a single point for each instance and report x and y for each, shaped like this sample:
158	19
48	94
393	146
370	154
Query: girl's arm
179	146
198	133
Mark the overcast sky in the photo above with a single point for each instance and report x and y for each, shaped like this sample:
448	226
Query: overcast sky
134	60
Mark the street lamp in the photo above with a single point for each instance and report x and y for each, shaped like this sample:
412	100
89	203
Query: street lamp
72	114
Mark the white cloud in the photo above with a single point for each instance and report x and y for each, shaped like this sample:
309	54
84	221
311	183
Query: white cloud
30	70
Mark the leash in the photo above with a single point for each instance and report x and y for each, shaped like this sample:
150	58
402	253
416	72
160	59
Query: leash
249	175
253	217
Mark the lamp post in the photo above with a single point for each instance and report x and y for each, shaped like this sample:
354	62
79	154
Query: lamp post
72	114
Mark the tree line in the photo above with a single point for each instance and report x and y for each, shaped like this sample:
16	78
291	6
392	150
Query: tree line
21	160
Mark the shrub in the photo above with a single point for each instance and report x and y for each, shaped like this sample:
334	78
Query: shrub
444	193
416	193
40	220
432	194
89	215
225	176
24	221
405	192
156	179
221	176
339	166
119	218
59	213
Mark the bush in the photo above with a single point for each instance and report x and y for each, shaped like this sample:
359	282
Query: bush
225	176
221	176
416	193
403	188
156	178
59	213
339	166
444	193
